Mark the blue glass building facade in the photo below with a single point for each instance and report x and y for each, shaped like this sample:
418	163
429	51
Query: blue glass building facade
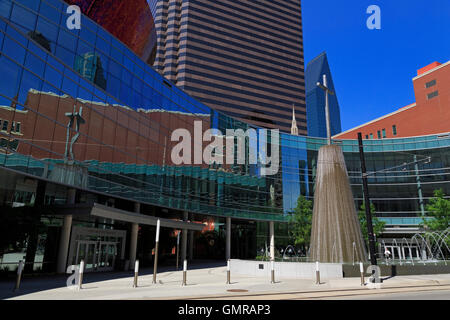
315	99
80	111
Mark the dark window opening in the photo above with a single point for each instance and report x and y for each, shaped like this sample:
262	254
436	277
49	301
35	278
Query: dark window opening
433	95
430	84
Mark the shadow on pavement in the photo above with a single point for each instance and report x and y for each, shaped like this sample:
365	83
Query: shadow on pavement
42	283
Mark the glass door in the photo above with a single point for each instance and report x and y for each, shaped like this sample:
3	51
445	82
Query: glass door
87	251
107	256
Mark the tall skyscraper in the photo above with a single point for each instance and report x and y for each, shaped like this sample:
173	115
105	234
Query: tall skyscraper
315	99
244	58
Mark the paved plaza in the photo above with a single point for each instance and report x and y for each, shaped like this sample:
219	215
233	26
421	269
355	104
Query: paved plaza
209	282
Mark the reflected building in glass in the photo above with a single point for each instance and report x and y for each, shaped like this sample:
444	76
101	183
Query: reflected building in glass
86	164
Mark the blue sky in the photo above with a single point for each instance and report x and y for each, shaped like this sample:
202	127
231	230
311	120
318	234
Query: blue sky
373	69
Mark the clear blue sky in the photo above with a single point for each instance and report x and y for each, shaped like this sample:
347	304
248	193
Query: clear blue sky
373	69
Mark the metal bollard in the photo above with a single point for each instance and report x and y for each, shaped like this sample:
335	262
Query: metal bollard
136	273
361	270
80	281
184	272
19	275
228	272
317	273
272	271
178	247
155	266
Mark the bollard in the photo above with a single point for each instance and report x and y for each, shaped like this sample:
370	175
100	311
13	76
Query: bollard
317	273
136	272
228	272
361	270
155	266
80	281
272	271
184	272
178	247
19	275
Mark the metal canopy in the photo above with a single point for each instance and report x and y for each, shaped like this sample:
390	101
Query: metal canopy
98	210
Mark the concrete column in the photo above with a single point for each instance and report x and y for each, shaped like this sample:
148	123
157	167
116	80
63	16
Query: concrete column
228	238
65	235
133	244
184	238
272	240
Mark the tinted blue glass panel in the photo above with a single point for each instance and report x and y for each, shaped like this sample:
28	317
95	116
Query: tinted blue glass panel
53	76
68	57
9	81
69	87
23	17
126	77
113	86
67	40
13	50
5	8
115	69
103	46
87	36
29	82
56	64
34	64
116	55
50	12
84	48
32	4
48	30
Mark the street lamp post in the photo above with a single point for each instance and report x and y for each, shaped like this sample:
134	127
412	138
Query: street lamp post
373	258
364	175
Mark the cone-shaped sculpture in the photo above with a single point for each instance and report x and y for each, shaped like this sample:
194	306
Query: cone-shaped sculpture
336	232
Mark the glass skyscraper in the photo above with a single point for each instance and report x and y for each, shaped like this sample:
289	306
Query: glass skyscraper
315	99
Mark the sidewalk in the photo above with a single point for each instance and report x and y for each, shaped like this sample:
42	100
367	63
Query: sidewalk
207	283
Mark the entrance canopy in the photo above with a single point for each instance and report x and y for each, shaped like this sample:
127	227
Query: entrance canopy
101	211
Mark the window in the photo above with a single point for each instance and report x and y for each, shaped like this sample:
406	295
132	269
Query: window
379	134
371	136
5	125
394	130
433	94
18	127
430	84
384	133
367	137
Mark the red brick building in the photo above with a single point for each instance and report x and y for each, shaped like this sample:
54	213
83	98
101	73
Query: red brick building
430	114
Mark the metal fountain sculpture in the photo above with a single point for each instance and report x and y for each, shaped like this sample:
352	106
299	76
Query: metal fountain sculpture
336	235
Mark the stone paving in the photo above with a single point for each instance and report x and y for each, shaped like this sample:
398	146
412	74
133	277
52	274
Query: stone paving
202	283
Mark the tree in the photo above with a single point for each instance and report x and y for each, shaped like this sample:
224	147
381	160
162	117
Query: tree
300	223
378	225
439	209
